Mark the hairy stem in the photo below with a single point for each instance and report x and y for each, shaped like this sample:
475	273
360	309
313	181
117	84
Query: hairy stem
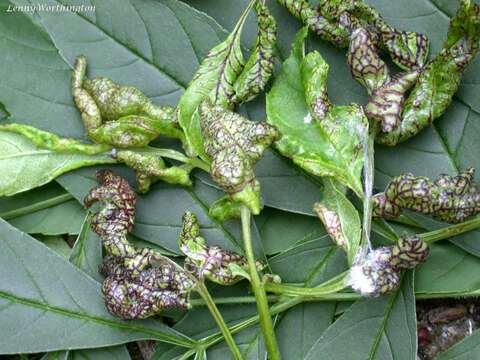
207	298
260	295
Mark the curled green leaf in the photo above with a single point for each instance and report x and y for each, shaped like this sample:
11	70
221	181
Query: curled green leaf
121	116
322	138
131	295
209	262
409	252
234	144
116	219
46	140
340	218
316	22
259	67
386	102
214	80
363	57
407	49
450	199
151	168
225	209
439	79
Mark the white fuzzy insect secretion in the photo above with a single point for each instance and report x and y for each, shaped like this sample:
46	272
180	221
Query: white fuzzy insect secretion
359	281
365	276
307	119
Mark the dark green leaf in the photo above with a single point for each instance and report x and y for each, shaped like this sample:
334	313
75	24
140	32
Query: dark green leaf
47	304
34	200
312	262
448	270
383	328
113	353
57	244
300	327
46	210
61	219
280	230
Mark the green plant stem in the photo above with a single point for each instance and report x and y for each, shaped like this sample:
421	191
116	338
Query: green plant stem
234	300
202	290
210	303
174	155
60	199
450	231
334	285
276	309
261	297
199	163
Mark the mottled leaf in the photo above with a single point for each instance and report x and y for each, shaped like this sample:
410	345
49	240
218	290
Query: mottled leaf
54	306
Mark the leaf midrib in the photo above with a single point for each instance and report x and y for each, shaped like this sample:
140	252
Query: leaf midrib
381	330
72	314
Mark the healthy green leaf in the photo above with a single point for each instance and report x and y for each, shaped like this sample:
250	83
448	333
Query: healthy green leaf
24	166
57	244
281	231
383	328
300	327
113	353
46	210
447	270
61	219
47	304
311	262
34	200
